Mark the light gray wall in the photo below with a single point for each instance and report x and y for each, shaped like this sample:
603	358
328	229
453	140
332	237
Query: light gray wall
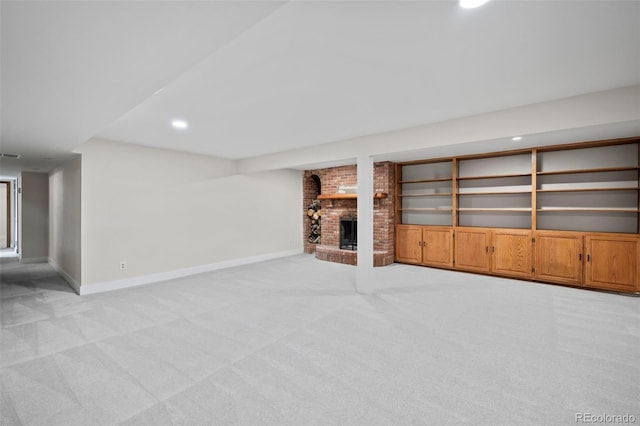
65	220
161	211
34	216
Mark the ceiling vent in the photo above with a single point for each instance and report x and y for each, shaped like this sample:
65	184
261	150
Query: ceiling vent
14	156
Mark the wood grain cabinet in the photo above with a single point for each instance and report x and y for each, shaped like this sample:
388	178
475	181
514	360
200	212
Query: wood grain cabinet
424	245
511	252
409	244
501	251
437	246
612	262
605	261
559	257
472	249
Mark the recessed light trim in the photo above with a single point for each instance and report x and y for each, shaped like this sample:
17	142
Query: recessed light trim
470	4
180	124
516	138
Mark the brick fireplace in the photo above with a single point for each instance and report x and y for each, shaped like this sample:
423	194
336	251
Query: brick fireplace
327	182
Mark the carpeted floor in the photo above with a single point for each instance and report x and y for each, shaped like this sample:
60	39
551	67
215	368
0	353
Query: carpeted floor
289	342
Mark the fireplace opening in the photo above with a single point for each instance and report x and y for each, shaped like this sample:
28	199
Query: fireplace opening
349	234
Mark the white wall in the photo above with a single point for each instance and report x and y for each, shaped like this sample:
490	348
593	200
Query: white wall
162	211
65	220
579	112
34	217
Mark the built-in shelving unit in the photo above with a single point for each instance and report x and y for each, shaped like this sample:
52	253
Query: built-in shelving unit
425	193
499	185
598	185
577	199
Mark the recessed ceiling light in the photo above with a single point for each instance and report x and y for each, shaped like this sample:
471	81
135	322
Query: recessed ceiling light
179	124
516	138
470	4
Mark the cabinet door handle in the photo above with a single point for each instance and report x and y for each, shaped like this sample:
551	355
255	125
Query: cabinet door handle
493	249
579	256
486	249
588	258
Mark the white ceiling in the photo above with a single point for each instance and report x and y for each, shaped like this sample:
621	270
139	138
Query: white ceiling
253	78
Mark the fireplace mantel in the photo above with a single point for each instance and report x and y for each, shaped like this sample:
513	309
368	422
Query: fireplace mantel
348	196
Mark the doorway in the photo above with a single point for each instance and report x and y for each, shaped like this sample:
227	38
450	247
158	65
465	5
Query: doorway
5	214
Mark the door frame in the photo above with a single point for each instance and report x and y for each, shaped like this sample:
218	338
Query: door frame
7	183
12	212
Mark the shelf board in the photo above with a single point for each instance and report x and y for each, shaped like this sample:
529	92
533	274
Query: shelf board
493	176
348	196
632	188
441	194
596	170
426	180
506	209
426	209
494	192
587	209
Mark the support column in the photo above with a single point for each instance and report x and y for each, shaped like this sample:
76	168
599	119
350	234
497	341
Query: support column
364	270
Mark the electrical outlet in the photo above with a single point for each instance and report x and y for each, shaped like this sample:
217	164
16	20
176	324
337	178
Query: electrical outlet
123	265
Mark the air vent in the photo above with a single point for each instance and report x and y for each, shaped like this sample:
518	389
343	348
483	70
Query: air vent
15	156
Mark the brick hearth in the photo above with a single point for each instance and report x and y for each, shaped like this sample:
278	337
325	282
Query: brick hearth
332	210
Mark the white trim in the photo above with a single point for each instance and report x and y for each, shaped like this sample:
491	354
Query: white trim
34	260
72	283
178	273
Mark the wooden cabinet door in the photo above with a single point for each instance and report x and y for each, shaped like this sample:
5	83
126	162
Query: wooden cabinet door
409	243
511	252
559	257
437	247
472	249
612	262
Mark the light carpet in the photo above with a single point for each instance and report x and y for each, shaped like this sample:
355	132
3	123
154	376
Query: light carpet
290	342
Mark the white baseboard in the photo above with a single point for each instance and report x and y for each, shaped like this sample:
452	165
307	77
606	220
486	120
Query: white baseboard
34	260
72	283
178	273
